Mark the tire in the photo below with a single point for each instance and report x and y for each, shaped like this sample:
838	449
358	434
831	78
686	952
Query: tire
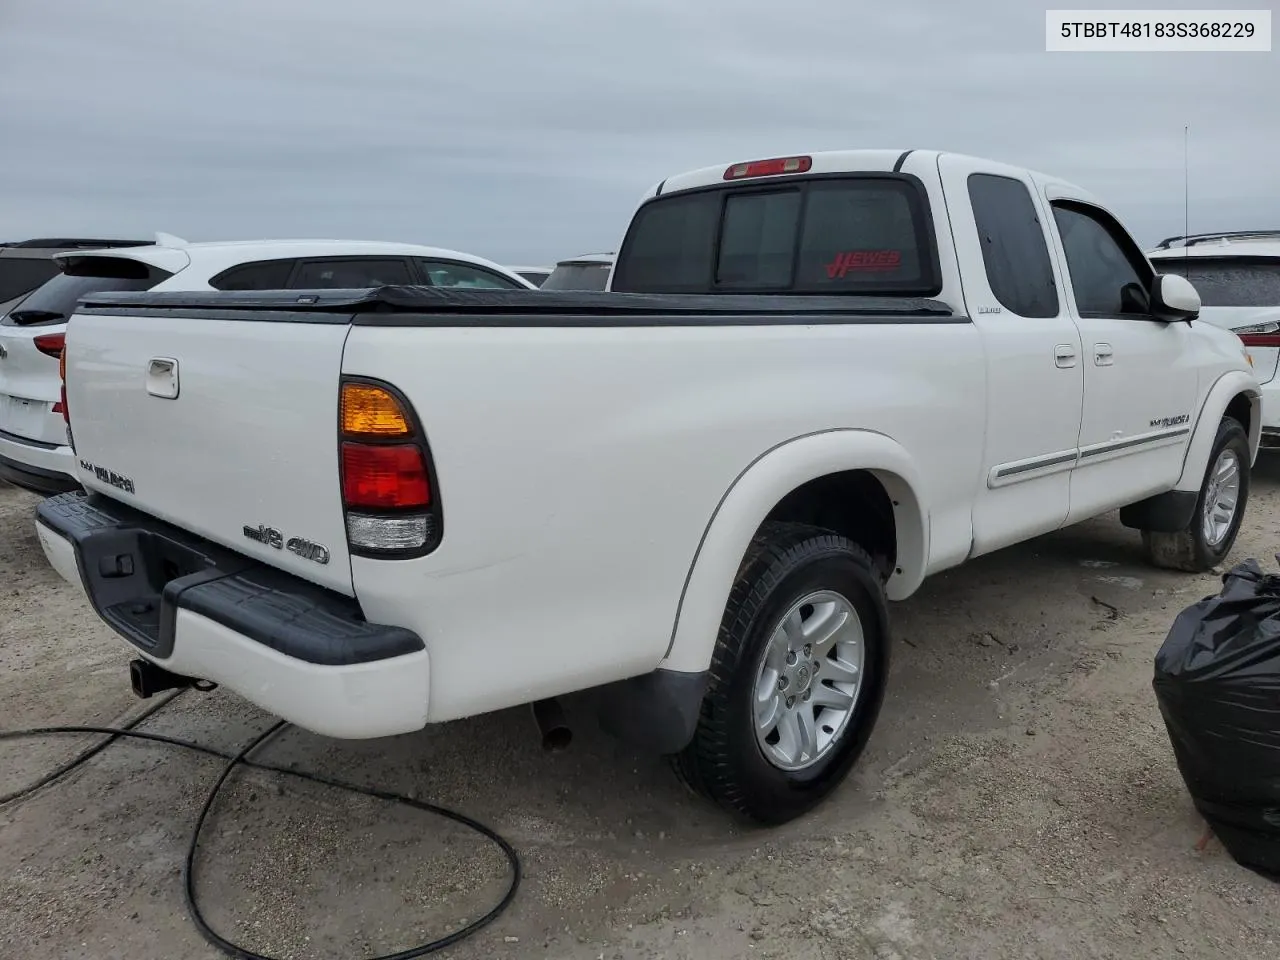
726	761
1193	549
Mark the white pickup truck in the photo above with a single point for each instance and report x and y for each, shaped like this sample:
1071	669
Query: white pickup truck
817	380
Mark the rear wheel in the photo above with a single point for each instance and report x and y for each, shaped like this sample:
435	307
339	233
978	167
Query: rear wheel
797	676
1224	493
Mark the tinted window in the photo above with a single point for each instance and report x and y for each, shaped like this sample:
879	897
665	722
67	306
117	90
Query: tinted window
864	235
444	274
1104	266
758	239
538	277
264	275
353	274
670	247
56	300
1013	246
578	276
21	275
1227	281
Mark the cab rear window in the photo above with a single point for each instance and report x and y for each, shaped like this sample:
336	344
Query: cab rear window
870	235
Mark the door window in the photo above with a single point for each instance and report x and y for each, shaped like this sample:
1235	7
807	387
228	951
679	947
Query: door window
356	273
1109	274
443	273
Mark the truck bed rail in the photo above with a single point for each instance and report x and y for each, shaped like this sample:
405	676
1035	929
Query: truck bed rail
432	306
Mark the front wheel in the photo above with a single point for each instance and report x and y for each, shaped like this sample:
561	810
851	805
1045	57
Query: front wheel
1224	493
797	676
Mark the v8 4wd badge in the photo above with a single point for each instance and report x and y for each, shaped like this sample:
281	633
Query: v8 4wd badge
271	537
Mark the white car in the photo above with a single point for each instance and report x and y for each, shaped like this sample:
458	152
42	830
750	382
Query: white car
1237	275
535	275
817	381
33	444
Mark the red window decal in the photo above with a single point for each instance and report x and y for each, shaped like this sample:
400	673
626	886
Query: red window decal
863	261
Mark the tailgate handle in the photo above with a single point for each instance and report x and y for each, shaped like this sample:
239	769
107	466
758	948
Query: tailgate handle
162	378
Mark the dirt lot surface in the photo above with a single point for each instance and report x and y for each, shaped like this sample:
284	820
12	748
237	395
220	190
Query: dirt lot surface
1019	799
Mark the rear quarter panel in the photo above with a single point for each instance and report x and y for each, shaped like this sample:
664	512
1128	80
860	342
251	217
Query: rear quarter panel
580	466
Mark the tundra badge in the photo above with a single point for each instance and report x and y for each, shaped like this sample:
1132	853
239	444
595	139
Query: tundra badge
117	480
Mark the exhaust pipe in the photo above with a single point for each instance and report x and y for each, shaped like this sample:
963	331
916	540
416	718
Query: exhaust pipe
147	679
552	725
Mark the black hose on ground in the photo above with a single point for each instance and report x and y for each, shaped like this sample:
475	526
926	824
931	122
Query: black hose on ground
241	759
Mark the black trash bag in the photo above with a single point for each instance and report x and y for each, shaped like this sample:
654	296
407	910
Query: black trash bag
1217	681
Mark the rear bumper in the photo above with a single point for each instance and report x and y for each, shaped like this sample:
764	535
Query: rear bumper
297	650
37	467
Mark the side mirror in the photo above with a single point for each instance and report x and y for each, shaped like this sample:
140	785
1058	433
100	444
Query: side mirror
1173	298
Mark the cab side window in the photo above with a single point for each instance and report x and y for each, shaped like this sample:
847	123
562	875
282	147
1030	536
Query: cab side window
1109	275
1014	250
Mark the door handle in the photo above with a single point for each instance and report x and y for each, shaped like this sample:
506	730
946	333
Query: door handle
162	378
1064	355
1102	354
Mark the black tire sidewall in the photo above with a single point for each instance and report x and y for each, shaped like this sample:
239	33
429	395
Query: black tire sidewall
819	566
1230	434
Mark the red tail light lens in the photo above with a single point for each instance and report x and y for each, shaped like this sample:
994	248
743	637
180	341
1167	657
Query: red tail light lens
51	344
61	406
769	168
384	476
1260	335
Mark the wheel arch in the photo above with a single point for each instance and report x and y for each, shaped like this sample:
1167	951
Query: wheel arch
858	456
1235	393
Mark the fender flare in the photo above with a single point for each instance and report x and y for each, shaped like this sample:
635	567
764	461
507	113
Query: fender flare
1225	389
756	491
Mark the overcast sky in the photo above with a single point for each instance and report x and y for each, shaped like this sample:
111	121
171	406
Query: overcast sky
525	130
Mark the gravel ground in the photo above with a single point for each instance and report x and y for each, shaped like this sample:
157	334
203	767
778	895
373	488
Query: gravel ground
1019	799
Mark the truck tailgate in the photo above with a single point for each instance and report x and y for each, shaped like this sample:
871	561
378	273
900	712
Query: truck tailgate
223	427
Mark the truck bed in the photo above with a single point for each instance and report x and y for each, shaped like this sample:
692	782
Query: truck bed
582	444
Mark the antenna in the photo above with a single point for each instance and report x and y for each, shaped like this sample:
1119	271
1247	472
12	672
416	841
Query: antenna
1186	187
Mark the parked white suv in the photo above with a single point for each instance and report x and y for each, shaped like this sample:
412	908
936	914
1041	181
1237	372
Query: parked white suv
1238	278
33	441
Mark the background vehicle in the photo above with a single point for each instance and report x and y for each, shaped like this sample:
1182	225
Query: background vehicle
27	264
588	272
535	275
817	381
1238	278
33	444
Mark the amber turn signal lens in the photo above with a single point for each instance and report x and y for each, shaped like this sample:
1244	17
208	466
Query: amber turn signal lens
371	411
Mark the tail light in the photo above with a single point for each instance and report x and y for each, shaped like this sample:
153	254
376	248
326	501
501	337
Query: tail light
388	486
62	375
50	344
769	168
1260	335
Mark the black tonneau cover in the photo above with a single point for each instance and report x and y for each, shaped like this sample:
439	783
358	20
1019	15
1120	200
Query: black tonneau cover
368	304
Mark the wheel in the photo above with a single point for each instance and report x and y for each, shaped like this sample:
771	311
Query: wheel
797	676
1209	537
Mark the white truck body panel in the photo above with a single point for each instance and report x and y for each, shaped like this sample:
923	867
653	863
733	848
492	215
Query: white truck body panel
612	505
